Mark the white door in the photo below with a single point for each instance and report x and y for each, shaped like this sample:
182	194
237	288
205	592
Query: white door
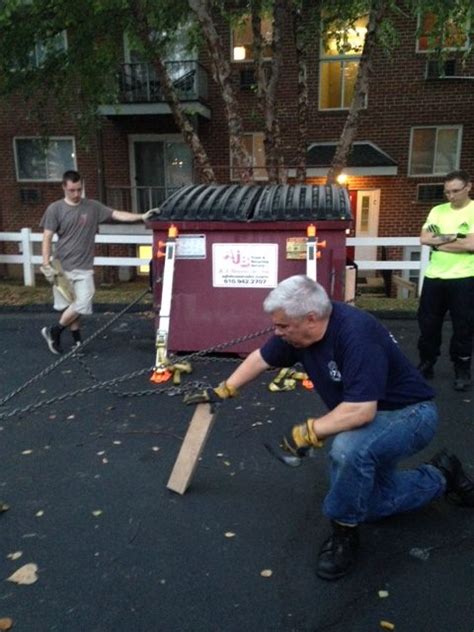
367	222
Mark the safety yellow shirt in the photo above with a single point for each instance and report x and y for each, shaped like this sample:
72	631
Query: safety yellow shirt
449	265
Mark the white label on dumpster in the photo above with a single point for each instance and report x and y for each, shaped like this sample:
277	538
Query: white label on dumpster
245	265
191	247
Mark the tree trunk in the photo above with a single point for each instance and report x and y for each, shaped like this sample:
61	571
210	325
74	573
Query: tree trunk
349	132
301	48
222	75
183	123
267	76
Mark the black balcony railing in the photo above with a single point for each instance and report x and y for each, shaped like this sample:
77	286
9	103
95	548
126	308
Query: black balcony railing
140	83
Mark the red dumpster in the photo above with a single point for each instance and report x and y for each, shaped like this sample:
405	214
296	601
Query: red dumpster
235	243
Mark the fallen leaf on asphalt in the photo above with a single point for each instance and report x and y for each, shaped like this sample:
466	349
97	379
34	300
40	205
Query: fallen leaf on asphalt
4	506
97	512
15	555
39	513
105	461
229	534
383	594
266	572
27	452
24	575
52	417
71	417
6	623
387	625
117	443
226	463
155	448
101	453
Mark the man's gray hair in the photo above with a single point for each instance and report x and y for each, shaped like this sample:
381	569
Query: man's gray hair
297	296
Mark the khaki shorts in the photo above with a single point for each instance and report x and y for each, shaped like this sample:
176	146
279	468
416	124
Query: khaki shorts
84	290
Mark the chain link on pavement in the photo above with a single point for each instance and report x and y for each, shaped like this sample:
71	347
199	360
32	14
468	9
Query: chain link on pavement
109	384
71	353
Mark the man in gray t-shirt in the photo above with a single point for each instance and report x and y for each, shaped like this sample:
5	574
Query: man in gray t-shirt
75	220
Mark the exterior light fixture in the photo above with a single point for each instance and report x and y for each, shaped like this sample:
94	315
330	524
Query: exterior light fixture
239	53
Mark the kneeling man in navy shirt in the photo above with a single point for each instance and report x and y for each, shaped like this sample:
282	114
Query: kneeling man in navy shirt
381	410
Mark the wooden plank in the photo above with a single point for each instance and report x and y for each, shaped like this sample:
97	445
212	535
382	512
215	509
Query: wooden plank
191	448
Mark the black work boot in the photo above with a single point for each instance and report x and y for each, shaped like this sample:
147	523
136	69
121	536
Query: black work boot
426	369
462	375
338	553
459	486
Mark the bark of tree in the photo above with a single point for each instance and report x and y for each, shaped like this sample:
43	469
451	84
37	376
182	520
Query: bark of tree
267	75
377	12
301	49
222	75
182	121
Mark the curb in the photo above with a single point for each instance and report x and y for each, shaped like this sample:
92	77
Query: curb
99	308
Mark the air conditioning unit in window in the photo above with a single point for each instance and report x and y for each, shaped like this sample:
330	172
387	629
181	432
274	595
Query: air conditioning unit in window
30	196
431	193
437	69
247	79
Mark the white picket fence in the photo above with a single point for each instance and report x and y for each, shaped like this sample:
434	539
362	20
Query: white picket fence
26	238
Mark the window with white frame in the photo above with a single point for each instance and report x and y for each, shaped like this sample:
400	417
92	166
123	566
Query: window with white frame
242	38
434	151
451	35
341	50
254	144
38	159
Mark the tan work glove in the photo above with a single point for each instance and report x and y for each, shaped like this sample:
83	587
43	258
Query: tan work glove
211	395
49	273
300	438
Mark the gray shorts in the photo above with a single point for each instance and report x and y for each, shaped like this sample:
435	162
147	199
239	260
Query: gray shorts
84	290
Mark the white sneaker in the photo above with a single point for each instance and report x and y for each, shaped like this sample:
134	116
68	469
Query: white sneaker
52	342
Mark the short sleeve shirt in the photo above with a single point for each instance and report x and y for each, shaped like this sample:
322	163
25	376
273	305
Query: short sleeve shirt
357	360
76	227
449	265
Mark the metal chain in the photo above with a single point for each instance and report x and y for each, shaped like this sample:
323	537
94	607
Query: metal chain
66	356
108	384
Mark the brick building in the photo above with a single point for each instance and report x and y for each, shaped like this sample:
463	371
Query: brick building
417	125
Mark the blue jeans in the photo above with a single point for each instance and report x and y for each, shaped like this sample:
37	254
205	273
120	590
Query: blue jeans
365	482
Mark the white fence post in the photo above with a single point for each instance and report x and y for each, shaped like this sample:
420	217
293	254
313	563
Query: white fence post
424	261
27	250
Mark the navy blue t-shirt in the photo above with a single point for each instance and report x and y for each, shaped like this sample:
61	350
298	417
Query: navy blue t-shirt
357	360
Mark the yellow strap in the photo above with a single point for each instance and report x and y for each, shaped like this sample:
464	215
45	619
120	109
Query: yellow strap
286	380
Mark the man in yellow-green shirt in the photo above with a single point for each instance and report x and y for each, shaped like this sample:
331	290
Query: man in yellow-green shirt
449	280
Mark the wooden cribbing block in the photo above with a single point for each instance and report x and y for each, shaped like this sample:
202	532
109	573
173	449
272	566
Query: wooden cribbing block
191	448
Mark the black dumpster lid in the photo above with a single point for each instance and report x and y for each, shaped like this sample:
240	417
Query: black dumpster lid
253	203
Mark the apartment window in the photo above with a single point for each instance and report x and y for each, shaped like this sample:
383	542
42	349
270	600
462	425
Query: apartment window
340	54
242	38
41	50
454	34
254	145
37	159
434	150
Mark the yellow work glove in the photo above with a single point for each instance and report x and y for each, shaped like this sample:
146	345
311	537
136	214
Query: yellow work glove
211	395
300	438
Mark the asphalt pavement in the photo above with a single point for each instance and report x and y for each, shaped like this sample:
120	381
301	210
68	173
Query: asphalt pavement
85	477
